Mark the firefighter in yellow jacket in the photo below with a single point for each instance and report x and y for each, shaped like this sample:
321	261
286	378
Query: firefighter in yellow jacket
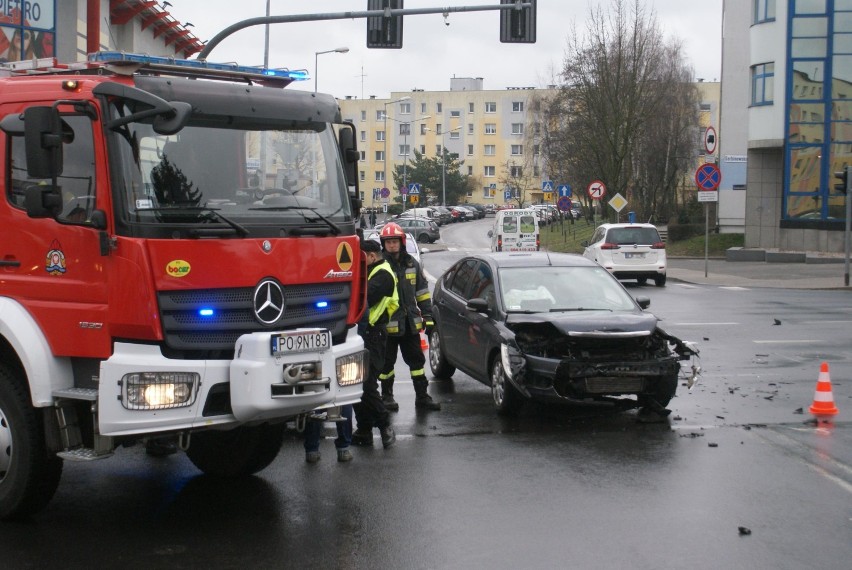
414	315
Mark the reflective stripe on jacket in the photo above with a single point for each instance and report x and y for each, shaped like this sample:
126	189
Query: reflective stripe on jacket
386	304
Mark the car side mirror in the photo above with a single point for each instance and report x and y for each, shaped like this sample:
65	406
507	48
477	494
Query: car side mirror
585	243
477	305
643	302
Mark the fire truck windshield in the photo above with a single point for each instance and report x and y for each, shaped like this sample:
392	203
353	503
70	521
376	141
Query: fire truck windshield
276	178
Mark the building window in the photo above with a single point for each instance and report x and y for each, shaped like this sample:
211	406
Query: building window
422	108
762	83
380	136
439	129
380	176
404	149
380	156
363	136
423	129
516	171
491	107
517	106
490	150
490	128
764	11
405	128
536	150
470	150
488	171
455	134
439	108
705	107
380	115
437	150
517	149
455	113
470	171
405	108
470	107
363	115
423	149
536	170
470	128
517	128
362	176
363	155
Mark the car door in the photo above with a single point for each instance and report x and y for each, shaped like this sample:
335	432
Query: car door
479	330
451	305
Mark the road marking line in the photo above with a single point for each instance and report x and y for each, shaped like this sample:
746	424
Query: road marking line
703	324
786	341
734	288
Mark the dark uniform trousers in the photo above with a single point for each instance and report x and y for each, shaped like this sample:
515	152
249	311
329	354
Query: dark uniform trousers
412	354
370	412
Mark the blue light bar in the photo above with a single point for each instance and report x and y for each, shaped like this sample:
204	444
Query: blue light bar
322	304
206	312
118	57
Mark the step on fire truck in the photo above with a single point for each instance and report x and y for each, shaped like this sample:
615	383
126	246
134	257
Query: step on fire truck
178	262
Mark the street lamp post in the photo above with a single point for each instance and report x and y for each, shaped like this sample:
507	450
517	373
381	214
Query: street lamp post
316	61
444	165
405	144
385	117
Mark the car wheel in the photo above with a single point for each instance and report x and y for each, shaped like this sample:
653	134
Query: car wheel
664	392
507	399
423	238
642	280
236	453
437	359
660	281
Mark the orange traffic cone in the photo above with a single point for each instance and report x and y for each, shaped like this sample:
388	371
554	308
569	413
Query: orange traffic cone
423	344
823	399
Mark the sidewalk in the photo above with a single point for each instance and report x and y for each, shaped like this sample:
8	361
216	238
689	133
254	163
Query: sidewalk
757	273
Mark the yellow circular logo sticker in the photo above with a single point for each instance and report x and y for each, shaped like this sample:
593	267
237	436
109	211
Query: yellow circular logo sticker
344	256
178	268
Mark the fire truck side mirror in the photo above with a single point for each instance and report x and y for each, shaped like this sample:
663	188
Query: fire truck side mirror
349	154
170	124
43	201
43	140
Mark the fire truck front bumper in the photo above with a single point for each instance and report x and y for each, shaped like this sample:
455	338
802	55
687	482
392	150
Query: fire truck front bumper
273	376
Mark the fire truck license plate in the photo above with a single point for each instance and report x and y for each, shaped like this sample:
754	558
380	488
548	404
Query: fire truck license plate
301	341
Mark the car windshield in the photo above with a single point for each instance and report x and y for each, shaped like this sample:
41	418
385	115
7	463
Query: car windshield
630	236
555	288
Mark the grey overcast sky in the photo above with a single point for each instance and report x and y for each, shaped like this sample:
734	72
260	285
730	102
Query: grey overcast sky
432	52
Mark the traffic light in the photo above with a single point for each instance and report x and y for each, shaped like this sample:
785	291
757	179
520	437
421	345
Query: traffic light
384	32
517	26
844	180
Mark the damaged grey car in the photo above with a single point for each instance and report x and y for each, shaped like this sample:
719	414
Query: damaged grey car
553	327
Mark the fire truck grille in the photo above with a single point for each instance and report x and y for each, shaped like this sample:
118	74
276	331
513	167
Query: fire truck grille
191	334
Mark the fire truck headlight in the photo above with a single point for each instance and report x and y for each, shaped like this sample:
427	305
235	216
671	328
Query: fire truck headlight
159	390
351	368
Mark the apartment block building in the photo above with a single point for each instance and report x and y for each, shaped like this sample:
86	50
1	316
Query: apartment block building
491	131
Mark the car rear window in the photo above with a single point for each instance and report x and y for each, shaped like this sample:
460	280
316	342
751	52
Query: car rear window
641	236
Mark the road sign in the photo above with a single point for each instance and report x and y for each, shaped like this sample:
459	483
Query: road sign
385	193
507	195
547	186
708	176
618	202
710	140
548	196
403	190
565	190
564	203
414	198
596	190
414	189
708	196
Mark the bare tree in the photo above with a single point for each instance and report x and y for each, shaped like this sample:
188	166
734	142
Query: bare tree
623	114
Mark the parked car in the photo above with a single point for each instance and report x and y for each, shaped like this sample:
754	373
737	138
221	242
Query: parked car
444	215
479	209
490	209
411	245
629	251
423	230
464	215
552	327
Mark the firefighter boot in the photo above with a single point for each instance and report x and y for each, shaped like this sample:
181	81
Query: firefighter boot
387	396
422	400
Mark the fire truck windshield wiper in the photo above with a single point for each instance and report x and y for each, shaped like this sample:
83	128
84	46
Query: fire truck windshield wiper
335	229
212	213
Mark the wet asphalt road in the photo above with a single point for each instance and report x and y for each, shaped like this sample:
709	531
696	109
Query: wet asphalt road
464	488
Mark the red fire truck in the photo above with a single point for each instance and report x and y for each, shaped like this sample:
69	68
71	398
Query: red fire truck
178	259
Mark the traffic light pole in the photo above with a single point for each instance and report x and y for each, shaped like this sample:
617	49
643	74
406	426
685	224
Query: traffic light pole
217	39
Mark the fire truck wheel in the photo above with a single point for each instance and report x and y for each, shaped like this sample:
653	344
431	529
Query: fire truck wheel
238	452
29	473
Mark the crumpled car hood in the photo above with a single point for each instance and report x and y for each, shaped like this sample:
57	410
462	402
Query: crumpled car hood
586	322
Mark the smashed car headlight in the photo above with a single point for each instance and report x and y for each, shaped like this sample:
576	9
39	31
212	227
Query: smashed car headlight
512	359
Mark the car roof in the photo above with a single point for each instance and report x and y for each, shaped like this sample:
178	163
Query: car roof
534	259
639	225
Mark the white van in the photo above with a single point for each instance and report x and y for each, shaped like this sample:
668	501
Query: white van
515	230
